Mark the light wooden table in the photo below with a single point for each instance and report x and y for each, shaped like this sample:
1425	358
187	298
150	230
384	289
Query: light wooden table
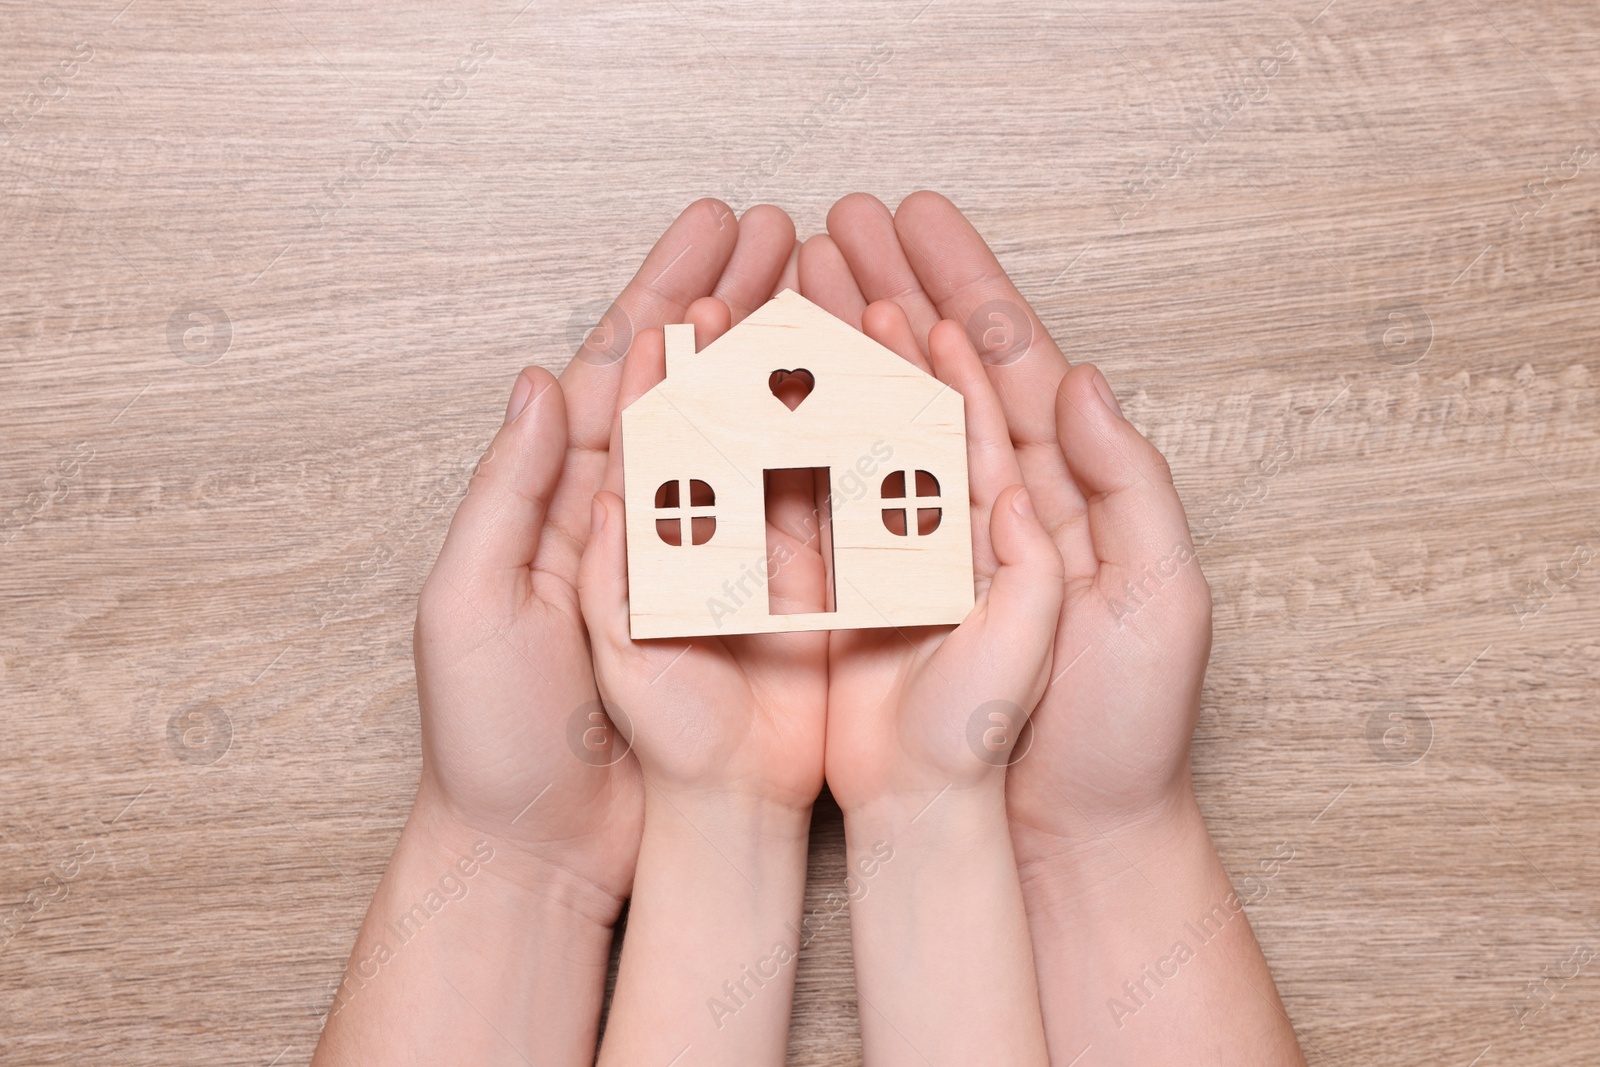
1341	263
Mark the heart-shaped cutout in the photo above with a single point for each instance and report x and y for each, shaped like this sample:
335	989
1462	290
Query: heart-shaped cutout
791	386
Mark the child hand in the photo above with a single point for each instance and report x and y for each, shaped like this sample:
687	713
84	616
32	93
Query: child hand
740	715
1110	742
900	702
729	734
939	931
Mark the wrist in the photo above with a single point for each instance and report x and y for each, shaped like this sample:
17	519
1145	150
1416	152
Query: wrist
1117	919
709	957
726	818
516	939
941	860
914	783
947	816
1081	860
1051	818
773	795
534	882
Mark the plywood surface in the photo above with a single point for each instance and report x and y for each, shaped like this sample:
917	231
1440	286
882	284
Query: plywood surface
869	412
1354	300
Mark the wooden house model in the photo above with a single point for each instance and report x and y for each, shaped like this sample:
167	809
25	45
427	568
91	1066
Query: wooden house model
887	440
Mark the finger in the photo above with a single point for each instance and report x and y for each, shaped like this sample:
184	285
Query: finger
497	526
642	371
826	281
1024	599
685	264
1134	515
711	319
865	233
796	571
1012	628
885	322
766	239
963	277
991	461
603	575
790	278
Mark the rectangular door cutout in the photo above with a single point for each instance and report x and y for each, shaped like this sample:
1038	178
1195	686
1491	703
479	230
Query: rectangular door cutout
799	522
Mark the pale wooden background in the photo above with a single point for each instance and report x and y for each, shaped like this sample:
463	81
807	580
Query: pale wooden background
176	532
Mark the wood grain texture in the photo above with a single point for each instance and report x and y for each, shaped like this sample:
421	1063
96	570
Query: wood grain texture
1339	262
714	420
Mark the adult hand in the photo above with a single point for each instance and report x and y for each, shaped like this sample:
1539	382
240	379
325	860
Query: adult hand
511	714
1116	862
1111	736
523	839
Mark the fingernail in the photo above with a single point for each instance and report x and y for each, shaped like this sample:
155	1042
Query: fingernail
1103	387
1023	504
519	397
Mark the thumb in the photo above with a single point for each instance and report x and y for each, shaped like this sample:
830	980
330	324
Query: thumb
1002	651
1134	511
1024	598
498	524
603	575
